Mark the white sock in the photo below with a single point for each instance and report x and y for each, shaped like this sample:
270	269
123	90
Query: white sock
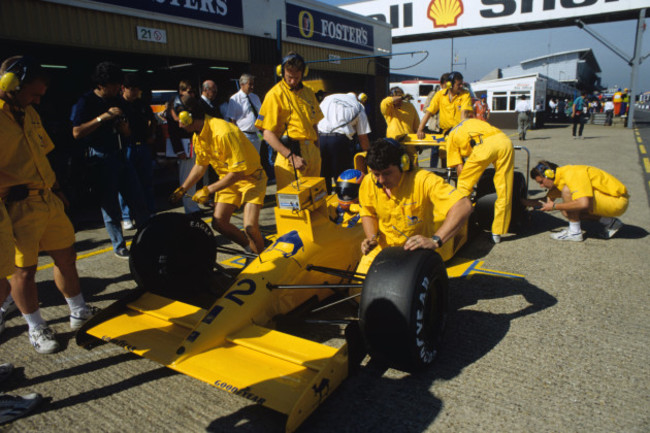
34	320
606	220
574	227
77	304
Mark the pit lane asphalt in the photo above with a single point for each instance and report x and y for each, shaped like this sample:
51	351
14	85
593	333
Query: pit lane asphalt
564	350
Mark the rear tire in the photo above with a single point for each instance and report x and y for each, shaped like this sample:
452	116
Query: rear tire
404	306
486	197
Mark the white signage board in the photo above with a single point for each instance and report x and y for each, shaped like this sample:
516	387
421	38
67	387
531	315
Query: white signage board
415	19
151	35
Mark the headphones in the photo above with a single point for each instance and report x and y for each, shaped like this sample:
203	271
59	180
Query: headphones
405	160
279	70
15	74
546	170
185	117
453	76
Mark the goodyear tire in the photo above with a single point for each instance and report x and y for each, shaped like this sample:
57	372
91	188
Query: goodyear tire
486	196
404	306
172	255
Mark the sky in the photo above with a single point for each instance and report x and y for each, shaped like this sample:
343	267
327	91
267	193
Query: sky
483	54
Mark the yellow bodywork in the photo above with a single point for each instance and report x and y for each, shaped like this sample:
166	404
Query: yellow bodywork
231	345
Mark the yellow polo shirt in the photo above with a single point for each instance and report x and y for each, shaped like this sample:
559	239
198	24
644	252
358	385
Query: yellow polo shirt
459	138
290	113
583	180
23	151
222	145
418	205
450	111
399	121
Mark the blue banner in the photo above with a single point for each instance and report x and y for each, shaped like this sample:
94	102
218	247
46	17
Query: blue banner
317	26
225	12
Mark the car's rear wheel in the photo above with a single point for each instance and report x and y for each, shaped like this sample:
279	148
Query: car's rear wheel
404	306
486	196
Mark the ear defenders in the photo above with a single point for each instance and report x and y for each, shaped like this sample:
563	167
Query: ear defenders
405	160
279	70
453	76
185	117
14	76
546	170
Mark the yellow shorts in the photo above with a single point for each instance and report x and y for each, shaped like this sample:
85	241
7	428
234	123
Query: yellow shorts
284	172
6	244
249	190
39	224
609	206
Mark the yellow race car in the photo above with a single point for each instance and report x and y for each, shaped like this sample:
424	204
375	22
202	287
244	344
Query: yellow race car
218	325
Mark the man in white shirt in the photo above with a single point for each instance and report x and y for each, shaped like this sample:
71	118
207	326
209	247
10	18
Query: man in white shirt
523	116
243	108
344	117
609	111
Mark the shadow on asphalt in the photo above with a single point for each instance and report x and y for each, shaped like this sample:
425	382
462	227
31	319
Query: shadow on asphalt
370	401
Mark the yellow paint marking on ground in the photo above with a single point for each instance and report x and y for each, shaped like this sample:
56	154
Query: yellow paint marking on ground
642	149
646	163
638	139
83	256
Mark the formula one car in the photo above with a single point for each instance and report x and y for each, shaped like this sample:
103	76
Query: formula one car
203	320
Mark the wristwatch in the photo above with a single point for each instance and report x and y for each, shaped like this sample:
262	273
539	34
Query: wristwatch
437	240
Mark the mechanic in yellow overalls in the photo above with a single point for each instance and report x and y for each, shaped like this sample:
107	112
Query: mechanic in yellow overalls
453	102
241	177
588	193
400	115
482	144
288	119
399	204
34	201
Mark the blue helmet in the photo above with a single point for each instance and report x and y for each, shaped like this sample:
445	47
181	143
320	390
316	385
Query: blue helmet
347	187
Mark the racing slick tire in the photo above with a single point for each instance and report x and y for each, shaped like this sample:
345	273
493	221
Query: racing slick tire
483	213
173	254
404	306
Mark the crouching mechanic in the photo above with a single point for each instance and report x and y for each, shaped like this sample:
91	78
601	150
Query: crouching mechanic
588	193
241	176
399	204
483	144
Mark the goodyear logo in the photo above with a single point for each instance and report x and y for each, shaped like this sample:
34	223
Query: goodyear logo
445	13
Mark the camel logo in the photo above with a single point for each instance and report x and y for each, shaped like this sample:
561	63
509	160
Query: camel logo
288	244
445	13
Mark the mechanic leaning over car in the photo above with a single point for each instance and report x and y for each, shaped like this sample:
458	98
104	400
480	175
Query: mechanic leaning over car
588	193
241	176
399	204
34	201
288	119
483	144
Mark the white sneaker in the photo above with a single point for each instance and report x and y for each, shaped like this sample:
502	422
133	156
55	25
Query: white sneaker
566	235
8	306
43	339
496	238
612	228
127	225
78	320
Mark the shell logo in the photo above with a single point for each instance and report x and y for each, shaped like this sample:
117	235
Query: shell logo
445	13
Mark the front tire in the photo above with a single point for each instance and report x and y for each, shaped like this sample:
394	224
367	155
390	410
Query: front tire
404	307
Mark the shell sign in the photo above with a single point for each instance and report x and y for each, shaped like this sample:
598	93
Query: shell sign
445	13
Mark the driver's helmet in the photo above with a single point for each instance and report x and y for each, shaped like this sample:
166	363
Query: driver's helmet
347	187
